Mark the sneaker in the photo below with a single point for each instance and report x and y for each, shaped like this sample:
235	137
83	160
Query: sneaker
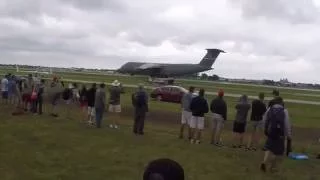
111	126
198	142
116	127
192	141
218	144
54	115
263	167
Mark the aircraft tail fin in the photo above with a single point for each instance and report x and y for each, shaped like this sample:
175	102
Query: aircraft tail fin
210	57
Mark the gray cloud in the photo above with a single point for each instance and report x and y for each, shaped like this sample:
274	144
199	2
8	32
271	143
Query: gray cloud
293	11
108	33
93	5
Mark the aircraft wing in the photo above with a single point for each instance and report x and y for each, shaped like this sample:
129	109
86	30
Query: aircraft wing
150	66
151	69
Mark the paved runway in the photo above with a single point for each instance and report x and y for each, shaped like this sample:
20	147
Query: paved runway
210	93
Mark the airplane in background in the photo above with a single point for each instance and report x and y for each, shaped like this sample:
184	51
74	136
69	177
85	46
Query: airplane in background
35	71
166	72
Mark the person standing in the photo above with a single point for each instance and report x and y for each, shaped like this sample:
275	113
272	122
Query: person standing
4	89
100	104
140	103
11	89
67	96
276	94
186	114
199	107
17	97
219	109
75	93
114	103
34	99
91	101
239	125
277	130
40	96
27	90
84	101
55	94
17	93
257	112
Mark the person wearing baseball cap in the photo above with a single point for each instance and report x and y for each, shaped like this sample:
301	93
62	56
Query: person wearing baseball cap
219	109
115	103
276	94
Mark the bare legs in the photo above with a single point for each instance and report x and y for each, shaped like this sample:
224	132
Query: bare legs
274	162
183	126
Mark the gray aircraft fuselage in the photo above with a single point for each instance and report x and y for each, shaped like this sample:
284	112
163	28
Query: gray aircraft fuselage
170	70
165	70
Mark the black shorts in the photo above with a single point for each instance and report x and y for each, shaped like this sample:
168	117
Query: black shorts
276	146
4	94
55	99
239	127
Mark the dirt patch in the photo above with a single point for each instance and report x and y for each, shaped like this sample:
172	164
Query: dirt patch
168	117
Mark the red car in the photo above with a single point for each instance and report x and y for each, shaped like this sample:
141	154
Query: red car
168	93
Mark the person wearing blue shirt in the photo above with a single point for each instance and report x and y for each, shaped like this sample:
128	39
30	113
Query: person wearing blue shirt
11	89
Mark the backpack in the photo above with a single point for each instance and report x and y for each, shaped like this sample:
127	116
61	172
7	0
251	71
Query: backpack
140	99
275	123
66	94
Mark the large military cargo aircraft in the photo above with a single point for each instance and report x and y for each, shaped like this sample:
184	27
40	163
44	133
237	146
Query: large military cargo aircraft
160	70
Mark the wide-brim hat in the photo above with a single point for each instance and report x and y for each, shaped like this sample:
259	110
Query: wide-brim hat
115	83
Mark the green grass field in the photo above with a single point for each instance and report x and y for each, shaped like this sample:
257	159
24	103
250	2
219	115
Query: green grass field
42	147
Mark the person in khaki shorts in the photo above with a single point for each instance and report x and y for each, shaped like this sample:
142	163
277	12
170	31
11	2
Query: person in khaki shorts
257	112
199	107
114	103
219	109
186	113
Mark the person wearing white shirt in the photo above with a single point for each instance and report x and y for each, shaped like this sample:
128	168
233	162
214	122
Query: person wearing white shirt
4	89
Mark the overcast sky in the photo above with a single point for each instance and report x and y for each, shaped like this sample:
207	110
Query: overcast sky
270	39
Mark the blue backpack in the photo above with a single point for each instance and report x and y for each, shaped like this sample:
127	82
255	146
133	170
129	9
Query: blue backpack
275	123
